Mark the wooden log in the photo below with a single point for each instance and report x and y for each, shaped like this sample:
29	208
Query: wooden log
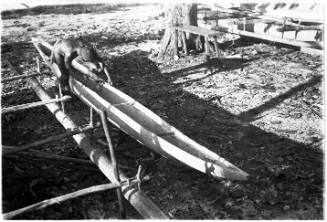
34	104
59	199
291	42
44	141
136	197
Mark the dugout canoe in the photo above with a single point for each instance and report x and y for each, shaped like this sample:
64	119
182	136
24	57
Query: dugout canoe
149	129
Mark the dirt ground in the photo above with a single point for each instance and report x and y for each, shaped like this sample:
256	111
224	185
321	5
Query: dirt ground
264	115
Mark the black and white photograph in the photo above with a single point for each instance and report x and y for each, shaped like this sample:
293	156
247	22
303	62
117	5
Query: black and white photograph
150	109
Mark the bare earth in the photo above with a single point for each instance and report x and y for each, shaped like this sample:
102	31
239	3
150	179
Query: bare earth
265	116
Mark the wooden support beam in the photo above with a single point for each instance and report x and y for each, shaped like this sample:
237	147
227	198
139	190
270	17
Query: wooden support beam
57	200
136	197
113	161
197	30
34	104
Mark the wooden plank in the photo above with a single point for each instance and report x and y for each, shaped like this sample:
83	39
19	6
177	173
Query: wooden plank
197	30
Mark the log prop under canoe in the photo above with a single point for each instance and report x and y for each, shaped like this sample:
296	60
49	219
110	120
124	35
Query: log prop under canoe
148	128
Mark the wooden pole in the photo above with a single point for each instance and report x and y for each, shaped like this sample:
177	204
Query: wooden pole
51	156
137	198
33	104
47	140
8	79
113	161
59	199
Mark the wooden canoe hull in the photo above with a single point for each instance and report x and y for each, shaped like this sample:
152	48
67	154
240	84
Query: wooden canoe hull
153	132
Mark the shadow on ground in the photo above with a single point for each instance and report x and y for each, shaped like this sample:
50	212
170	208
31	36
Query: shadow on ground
283	172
